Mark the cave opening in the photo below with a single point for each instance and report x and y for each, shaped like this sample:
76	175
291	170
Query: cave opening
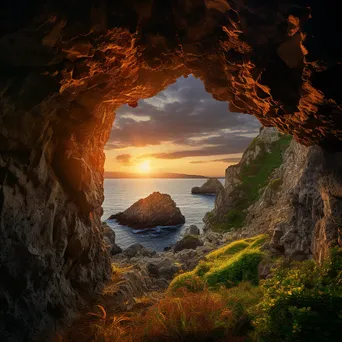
182	133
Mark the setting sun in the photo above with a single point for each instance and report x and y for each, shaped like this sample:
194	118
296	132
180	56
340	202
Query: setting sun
144	167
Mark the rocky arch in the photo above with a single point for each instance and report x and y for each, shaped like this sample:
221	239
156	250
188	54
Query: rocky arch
65	66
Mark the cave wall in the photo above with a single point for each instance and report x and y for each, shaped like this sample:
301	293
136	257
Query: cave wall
65	66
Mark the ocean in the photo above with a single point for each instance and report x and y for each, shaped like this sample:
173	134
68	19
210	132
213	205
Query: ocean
122	193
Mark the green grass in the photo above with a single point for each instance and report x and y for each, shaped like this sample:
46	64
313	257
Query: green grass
254	177
227	266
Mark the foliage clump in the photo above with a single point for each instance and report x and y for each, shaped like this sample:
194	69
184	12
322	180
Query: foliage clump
303	302
200	316
237	262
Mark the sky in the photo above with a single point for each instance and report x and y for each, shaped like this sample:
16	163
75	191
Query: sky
182	129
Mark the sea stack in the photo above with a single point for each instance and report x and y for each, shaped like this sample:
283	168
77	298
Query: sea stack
211	187
155	210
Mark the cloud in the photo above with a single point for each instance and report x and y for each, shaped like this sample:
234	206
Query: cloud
183	114
125	159
223	160
235	146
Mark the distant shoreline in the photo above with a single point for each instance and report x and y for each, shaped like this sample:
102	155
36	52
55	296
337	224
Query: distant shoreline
222	177
123	175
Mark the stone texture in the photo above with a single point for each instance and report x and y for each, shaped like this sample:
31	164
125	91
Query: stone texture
211	187
109	238
302	212
137	249
192	230
64	69
225	200
187	242
155	210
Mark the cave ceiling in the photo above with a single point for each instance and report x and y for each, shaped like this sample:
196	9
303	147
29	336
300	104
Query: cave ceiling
73	62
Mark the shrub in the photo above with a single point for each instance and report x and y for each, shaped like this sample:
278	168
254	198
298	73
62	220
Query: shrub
244	267
202	316
189	281
244	298
227	266
303	303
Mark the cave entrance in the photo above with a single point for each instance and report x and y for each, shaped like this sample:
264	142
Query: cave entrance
168	143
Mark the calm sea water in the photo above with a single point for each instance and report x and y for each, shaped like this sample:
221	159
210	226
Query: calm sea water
122	193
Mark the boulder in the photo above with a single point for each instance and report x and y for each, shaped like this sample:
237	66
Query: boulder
164	268
136	250
109	238
192	230
155	210
188	242
211	187
212	237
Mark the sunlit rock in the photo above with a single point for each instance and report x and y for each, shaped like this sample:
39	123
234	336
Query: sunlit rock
155	210
211	187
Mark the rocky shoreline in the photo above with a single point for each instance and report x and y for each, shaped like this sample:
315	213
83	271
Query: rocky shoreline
148	271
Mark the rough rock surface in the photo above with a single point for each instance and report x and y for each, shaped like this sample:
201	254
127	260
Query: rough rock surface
155	210
211	187
66	66
226	200
109	238
192	230
137	249
301	206
303	212
187	242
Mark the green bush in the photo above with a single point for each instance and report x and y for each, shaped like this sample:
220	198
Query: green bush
242	268
303	303
188	281
227	266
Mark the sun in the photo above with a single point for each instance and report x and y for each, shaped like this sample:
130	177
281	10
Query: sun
144	167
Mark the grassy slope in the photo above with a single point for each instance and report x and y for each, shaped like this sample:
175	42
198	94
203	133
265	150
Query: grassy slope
298	302
254	177
227	266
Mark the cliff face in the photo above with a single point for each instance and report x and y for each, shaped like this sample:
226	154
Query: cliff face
299	204
245	181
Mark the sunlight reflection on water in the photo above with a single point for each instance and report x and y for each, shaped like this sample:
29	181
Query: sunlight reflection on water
122	193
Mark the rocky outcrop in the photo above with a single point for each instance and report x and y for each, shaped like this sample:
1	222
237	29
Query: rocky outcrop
136	250
109	238
211	187
187	242
299	204
302	204
192	230
155	210
245	181
65	68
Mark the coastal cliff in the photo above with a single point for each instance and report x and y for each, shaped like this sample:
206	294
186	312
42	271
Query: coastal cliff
290	191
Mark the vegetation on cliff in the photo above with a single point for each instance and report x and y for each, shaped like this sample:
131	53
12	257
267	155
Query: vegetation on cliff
253	177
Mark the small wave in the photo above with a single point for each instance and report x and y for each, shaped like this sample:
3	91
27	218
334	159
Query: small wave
158	229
